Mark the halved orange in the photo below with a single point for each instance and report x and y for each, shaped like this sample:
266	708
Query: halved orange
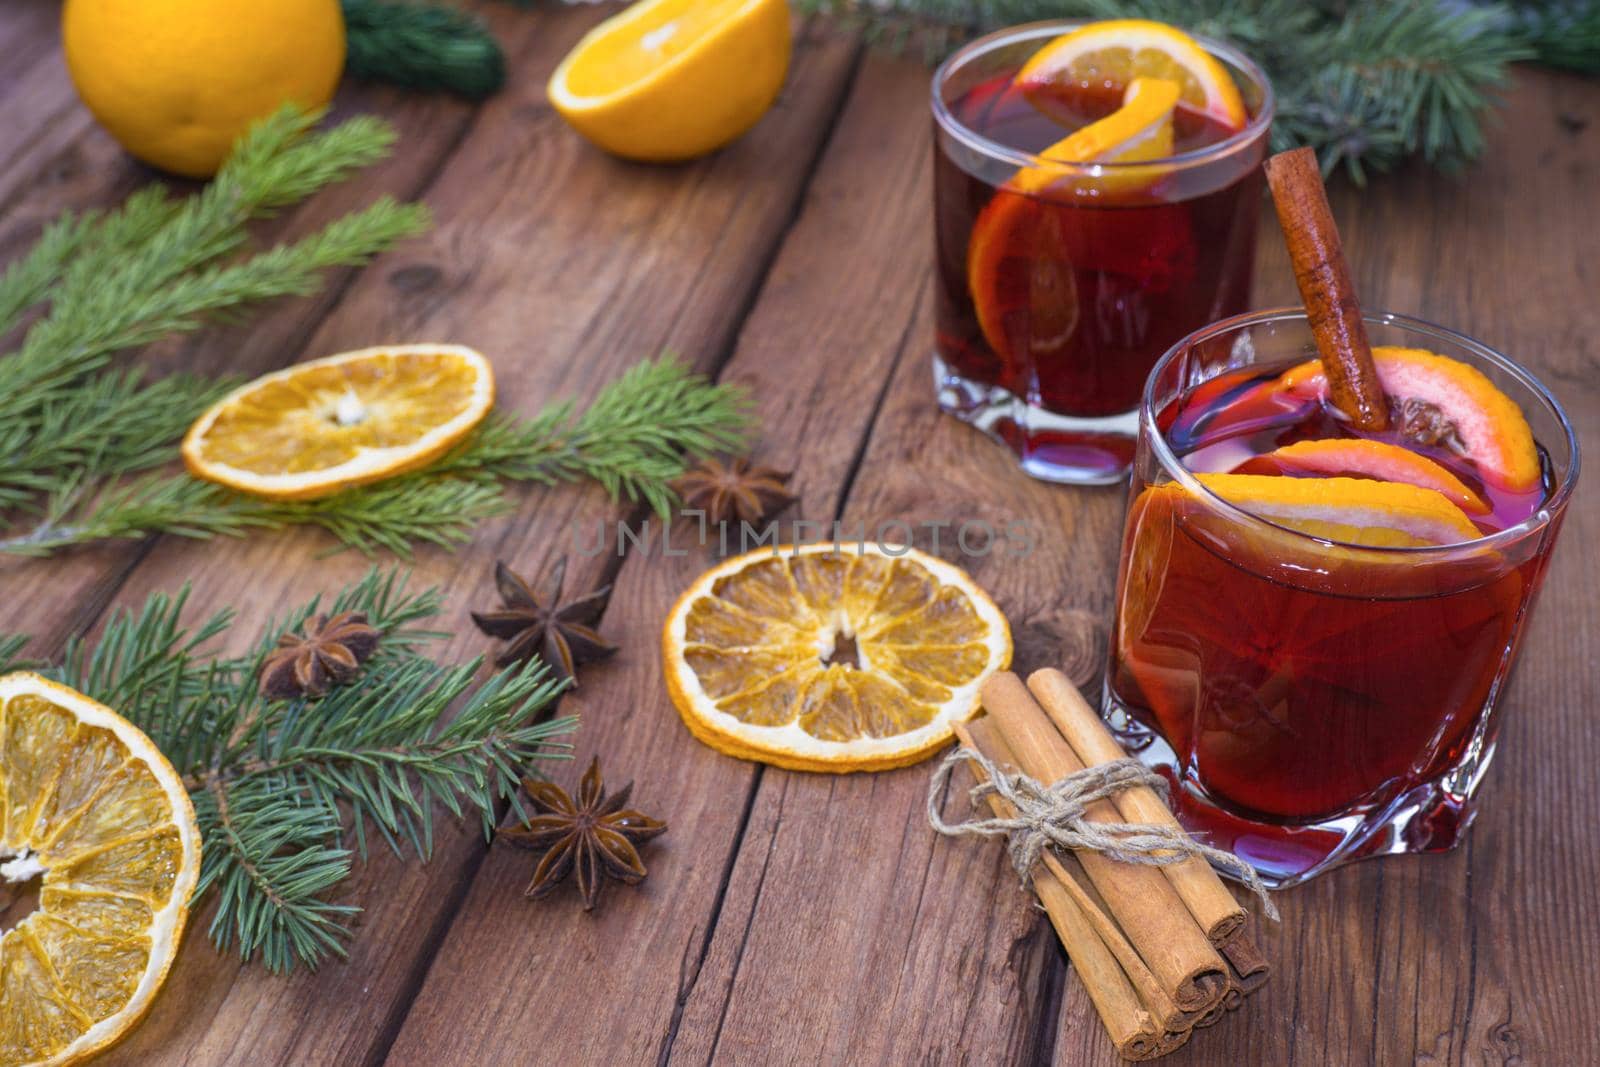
1370	459
1450	403
1352	511
92	810
673	79
1020	258
1112	53
831	659
346	420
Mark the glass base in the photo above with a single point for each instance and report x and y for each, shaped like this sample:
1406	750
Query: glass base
1430	817
1050	447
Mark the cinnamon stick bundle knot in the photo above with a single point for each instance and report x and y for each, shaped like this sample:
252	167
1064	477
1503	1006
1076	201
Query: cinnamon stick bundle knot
1054	815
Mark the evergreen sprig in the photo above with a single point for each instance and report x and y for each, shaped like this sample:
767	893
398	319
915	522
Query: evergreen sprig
634	439
422	46
1368	83
108	282
81	437
287	792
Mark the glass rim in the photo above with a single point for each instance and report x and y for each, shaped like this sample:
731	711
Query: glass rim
1542	517
1253	130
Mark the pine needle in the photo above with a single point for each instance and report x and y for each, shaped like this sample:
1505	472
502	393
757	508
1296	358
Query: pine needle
1367	83
70	423
81	440
422	46
288	792
635	439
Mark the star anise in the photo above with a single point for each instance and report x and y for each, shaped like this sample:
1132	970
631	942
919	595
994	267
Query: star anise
596	836
561	632
735	491
326	652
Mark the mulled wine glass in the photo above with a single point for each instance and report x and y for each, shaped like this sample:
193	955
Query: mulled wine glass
1313	701
1056	293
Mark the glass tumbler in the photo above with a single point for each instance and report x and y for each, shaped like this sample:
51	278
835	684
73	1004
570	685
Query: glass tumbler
1059	285
1313	702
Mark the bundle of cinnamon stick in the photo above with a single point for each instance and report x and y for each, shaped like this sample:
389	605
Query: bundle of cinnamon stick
1162	950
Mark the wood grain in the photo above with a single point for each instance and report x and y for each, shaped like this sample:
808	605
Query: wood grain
523	264
797	918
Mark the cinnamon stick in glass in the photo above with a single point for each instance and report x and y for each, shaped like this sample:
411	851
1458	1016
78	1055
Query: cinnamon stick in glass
1139	896
1329	295
1203	892
1130	1027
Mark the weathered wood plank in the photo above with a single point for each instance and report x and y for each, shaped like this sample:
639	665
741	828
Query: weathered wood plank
825	335
844	934
42	112
564	289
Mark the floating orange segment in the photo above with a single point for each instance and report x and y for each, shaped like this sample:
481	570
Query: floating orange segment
1355	511
1479	419
1137	132
1015	251
1117	51
1370	459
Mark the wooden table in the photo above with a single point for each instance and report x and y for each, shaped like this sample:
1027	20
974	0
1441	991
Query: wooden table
791	918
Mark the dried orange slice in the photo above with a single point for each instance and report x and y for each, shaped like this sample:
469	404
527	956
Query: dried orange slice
1353	511
1451	402
346	420
1369	459
95	813
1116	51
1020	259
823	659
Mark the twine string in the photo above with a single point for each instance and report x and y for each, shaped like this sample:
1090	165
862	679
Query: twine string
1053	816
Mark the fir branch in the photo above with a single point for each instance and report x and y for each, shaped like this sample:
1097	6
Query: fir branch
26	281
1562	33
139	276
635	439
73	430
286	792
422	46
11	646
1368	83
70	425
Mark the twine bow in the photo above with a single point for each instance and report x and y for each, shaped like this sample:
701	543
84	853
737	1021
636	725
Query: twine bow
1053	816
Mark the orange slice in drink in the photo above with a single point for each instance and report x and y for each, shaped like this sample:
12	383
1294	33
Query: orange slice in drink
1116	52
1367	459
1443	401
1019	260
1352	511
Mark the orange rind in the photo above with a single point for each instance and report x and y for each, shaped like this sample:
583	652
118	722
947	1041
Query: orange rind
1116	51
1352	511
1483	423
1355	456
